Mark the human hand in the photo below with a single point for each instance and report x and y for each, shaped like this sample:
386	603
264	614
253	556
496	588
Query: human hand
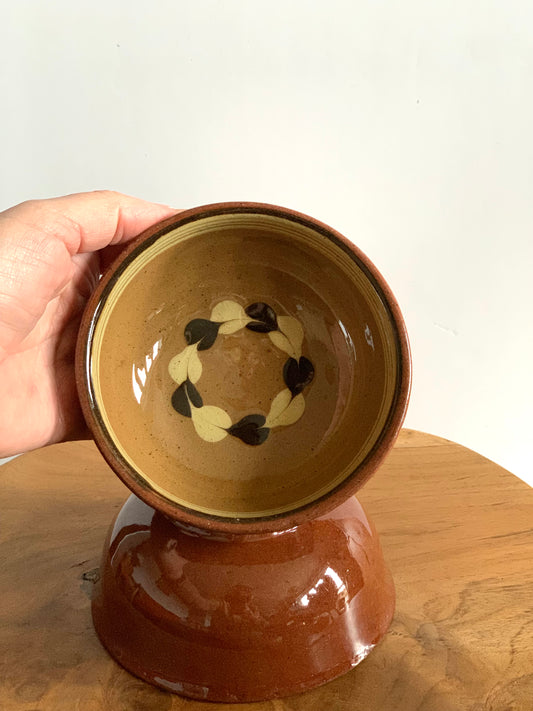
52	253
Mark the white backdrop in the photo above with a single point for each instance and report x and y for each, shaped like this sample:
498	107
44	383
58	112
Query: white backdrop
406	125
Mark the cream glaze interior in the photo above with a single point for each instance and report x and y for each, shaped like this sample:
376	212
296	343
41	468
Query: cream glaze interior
246	258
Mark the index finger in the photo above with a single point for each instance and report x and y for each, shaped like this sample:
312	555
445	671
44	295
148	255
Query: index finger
87	222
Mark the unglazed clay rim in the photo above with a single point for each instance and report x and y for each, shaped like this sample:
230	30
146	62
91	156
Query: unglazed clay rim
227	525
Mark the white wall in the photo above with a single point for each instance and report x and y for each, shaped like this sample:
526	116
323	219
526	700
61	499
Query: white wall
407	125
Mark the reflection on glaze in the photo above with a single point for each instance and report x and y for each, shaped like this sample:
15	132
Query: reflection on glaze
139	374
368	336
348	338
206	586
212	423
271	612
340	586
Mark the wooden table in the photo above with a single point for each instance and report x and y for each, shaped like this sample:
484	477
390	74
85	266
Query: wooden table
457	531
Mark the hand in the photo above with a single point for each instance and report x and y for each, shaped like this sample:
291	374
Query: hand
52	253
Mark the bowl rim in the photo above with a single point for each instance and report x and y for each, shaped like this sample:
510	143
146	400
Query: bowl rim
191	518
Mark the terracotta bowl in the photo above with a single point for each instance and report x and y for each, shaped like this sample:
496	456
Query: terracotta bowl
243	366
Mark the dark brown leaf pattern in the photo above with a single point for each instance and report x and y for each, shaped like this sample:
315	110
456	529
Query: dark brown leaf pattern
250	429
298	374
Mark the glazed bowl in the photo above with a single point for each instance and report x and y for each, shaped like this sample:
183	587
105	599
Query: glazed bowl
243	367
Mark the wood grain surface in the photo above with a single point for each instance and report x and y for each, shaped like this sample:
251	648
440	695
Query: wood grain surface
457	532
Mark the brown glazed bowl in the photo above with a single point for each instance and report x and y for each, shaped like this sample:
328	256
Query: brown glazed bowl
243	367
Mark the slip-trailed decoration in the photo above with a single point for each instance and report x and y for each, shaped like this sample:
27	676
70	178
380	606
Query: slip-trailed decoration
213	423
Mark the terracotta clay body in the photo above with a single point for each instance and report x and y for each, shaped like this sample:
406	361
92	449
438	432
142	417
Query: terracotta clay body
242	618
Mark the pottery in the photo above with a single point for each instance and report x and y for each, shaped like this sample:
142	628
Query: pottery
243	618
244	369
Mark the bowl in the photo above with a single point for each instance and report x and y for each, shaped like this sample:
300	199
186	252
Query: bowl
243	367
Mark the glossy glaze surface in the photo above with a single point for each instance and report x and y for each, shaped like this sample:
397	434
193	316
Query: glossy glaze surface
324	321
241	618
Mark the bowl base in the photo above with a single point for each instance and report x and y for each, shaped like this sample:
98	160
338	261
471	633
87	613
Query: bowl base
243	617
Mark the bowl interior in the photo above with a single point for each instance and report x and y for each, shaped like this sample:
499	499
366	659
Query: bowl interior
242	365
